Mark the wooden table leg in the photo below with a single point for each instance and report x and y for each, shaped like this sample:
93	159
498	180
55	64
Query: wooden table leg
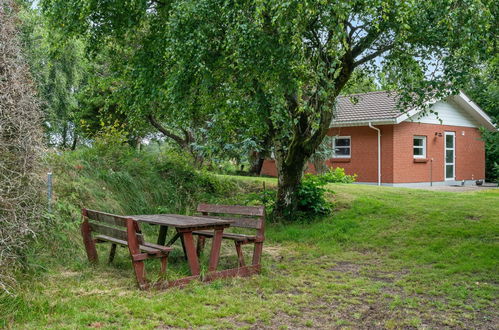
163	231
190	251
215	250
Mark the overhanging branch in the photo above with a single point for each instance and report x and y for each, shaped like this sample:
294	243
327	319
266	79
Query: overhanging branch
372	56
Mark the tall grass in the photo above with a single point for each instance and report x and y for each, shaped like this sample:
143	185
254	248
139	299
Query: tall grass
123	180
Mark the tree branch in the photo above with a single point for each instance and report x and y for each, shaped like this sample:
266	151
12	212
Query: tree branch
154	122
371	56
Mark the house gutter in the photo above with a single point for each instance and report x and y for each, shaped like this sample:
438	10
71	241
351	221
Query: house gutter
379	152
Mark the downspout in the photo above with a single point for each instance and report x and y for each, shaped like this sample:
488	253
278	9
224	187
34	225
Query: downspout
379	152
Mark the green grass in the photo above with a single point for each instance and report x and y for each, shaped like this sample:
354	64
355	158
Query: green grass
387	257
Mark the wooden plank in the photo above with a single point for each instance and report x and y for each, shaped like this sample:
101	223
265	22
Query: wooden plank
109	231
161	285
232	236
180	221
140	256
108	218
113	232
145	248
241	271
257	211
157	246
251	223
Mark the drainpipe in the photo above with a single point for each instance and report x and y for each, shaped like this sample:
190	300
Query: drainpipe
379	152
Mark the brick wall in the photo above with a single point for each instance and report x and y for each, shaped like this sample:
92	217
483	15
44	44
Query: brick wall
469	149
397	161
364	152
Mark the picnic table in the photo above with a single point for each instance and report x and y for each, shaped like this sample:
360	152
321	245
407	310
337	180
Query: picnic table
101	227
185	226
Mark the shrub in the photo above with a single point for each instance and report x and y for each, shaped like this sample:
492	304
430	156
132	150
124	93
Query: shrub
337	175
311	196
21	207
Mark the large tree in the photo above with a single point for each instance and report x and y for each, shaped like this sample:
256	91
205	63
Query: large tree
276	67
60	70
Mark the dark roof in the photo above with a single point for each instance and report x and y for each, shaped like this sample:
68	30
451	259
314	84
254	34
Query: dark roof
367	106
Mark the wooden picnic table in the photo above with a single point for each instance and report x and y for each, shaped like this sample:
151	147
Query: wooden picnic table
184	226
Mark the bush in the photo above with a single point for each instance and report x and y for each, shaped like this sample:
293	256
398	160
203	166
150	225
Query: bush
337	175
311	196
312	192
21	207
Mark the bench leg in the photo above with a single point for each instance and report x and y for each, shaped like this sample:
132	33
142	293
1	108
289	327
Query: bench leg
112	252
183	246
89	242
200	245
190	252
164	261
257	253
140	273
216	244
163	231
240	257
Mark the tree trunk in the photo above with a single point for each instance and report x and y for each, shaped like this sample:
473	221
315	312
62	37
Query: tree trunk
289	172
256	159
64	136
75	141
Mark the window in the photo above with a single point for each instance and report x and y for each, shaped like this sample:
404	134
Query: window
419	147
341	147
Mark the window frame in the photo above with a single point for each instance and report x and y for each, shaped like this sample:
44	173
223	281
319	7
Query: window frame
423	147
349	147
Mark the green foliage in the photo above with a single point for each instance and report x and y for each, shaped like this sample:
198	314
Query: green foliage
483	88
60	71
114	177
253	69
337	175
311	196
312	192
491	140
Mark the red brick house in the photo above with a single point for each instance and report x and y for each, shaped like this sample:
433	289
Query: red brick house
382	145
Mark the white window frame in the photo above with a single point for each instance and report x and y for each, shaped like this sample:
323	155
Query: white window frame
343	147
423	137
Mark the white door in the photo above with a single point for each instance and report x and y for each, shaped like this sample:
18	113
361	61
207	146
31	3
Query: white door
450	156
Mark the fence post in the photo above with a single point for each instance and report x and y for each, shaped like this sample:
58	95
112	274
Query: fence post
49	191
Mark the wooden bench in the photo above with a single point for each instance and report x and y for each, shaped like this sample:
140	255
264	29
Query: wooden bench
253	217
100	227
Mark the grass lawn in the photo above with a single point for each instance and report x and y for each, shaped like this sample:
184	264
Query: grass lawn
387	258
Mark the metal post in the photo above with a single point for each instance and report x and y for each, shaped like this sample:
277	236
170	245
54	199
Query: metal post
431	172
49	191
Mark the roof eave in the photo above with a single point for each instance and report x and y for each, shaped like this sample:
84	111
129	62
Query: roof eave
363	122
476	112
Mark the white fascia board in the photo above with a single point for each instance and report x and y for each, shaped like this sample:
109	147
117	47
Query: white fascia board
406	115
475	111
362	123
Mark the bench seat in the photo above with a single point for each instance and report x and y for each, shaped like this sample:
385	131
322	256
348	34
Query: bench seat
235	237
149	248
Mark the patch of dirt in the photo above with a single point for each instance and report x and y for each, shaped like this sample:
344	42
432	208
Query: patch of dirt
347	267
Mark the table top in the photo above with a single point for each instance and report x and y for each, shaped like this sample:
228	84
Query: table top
180	221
